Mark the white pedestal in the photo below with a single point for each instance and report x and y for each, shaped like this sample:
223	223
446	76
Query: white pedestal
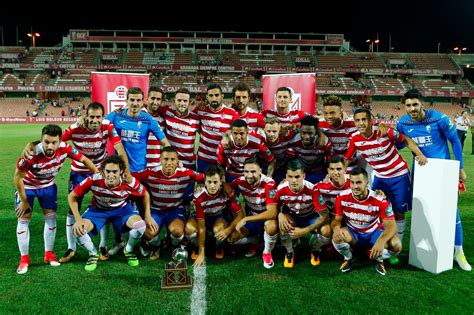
435	197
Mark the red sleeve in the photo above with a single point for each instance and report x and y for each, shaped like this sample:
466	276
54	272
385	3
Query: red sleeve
23	165
395	135
142	175
328	150
265	152
199	208
302	115
67	134
338	207
318	201
270	194
83	187
114	138
260	121
351	150
234	205
137	188
386	211
235	183
195	176
221	159
235	116
73	153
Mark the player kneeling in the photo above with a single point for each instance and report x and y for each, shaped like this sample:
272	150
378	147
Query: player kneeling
369	222
259	192
302	211
109	205
211	213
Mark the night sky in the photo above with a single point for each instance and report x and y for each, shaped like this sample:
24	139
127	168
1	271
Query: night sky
415	26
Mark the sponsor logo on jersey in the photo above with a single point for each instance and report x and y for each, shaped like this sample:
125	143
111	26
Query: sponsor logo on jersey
272	193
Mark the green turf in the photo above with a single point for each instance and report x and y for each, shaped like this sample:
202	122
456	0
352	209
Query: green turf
234	285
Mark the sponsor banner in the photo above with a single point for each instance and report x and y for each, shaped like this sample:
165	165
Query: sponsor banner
38	120
110	89
303	86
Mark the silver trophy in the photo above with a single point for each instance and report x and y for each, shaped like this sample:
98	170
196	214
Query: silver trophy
176	272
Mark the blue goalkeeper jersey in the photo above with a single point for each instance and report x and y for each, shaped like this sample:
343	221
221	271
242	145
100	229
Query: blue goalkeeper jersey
431	134
134	132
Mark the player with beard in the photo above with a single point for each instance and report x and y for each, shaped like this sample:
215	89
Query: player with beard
432	130
241	98
242	146
34	178
215	120
369	222
259	192
155	99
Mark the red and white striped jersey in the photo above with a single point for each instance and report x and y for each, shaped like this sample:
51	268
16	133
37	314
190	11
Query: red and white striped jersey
330	191
380	153
253	119
256	198
293	117
339	136
41	170
234	157
181	133
215	205
364	215
314	158
167	191
281	146
92	144
153	145
213	126
109	198
300	204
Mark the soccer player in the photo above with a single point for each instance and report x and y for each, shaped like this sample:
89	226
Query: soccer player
391	171
462	125
278	141
431	130
134	126
241	98
212	205
336	128
109	195
241	147
283	113
90	140
312	148
215	121
167	184
155	99
34	178
338	183
259	192
181	127
302	210
369	222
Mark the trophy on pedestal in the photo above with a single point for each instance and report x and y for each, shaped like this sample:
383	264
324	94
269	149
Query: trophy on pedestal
176	272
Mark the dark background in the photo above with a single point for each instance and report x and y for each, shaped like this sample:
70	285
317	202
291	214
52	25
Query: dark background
415	26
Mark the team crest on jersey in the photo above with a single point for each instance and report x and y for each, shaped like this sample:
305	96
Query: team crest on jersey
272	193
74	150
114	133
396	134
196	173
139	125
389	211
428	128
268	152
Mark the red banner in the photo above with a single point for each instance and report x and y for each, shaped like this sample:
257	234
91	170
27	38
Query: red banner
110	89
303	86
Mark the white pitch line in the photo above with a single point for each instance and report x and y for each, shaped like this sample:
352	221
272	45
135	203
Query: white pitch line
198	297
